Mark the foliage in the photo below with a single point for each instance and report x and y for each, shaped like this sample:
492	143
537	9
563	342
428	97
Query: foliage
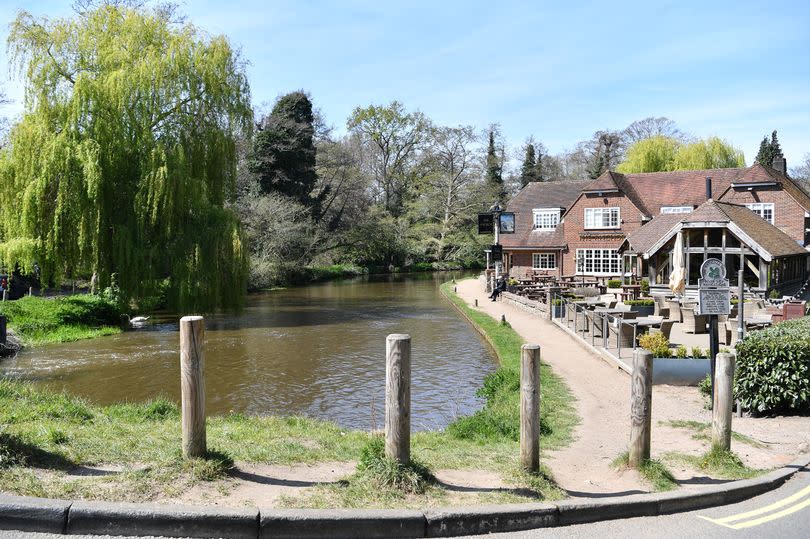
645	287
681	352
640	302
614	283
283	156
773	368
660	153
651	127
705	386
494	164
768	150
698	353
125	156
604	152
528	171
386	473
653	471
38	320
657	343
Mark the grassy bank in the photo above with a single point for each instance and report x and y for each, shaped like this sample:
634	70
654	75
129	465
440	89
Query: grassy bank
38	320
47	440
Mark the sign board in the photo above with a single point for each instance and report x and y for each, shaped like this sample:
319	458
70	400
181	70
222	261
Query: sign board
714	295
507	223
486	223
497	253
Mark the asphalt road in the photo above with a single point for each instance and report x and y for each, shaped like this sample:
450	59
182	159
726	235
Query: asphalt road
783	513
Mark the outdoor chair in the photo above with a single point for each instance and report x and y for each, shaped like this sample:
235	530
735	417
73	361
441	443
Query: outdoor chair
665	329
625	332
730	332
612	303
660	305
674	310
693	323
629	315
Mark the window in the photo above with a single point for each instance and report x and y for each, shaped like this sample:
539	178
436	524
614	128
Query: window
764	210
601	217
676	209
598	261
544	260
546	219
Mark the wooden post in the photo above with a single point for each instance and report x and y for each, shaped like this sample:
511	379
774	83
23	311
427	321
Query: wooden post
30	291
722	403
714	347
530	407
192	385
3	329
503	319
550	304
476	302
5	293
640	407
398	398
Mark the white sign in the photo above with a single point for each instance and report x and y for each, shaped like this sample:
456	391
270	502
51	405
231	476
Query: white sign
714	295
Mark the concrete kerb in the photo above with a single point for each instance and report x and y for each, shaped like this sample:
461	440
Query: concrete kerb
56	516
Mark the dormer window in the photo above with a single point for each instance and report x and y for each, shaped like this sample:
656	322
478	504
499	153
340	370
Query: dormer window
546	218
676	209
763	209
602	218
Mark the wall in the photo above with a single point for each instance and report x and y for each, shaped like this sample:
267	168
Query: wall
788	214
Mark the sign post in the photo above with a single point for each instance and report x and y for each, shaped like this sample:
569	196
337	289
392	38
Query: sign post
714	296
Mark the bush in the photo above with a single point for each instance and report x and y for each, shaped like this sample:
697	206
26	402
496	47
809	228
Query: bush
697	353
656	343
640	302
614	283
681	352
773	368
645	287
705	386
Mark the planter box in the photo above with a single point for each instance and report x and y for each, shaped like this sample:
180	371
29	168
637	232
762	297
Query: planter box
643	310
559	311
680	372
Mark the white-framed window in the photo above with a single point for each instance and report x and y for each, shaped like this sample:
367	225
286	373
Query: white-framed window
544	260
763	209
676	209
546	219
602	218
598	262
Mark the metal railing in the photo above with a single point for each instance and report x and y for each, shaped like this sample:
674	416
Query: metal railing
571	314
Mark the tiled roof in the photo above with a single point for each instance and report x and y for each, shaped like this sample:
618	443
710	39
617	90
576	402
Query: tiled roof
605	182
678	187
555	194
758	173
767	236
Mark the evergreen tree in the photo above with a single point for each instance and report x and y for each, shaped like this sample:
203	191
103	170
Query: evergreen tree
768	150
529	169
284	151
494	165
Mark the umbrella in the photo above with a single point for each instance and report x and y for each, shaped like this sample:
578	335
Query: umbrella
677	279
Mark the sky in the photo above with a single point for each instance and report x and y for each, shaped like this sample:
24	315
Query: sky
557	71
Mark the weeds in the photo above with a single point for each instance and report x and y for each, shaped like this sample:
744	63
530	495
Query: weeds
653	471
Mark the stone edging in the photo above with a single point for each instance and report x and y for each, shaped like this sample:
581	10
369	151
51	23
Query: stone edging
79	517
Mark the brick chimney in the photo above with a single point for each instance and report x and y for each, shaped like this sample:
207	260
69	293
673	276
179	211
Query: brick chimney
779	163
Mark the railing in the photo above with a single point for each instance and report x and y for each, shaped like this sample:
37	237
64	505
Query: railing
580	321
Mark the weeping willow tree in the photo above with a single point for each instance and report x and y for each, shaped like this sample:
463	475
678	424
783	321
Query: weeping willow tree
123	164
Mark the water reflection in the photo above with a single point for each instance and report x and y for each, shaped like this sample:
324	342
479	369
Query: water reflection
317	351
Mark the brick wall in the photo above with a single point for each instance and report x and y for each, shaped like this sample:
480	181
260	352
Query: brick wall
524	259
788	214
578	238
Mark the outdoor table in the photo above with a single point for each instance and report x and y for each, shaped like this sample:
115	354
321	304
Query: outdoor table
630	291
758	321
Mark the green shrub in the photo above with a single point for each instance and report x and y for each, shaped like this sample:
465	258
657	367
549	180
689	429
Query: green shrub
681	352
645	286
705	386
773	368
640	302
774	294
656	343
697	352
614	283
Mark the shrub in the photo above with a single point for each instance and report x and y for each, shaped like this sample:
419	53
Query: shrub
681	352
645	286
774	294
640	302
614	283
705	386
773	368
697	352
656	343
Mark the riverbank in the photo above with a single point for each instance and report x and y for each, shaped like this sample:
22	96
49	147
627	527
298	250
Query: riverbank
35	320
61	446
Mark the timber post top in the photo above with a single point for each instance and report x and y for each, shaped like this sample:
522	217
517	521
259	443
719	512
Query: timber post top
193	318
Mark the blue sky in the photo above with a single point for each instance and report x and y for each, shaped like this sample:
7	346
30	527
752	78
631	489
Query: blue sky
558	72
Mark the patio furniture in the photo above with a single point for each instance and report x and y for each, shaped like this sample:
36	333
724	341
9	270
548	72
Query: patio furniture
660	305
665	328
693	323
674	310
629	315
624	333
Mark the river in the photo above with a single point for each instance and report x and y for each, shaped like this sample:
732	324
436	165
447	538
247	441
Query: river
317	351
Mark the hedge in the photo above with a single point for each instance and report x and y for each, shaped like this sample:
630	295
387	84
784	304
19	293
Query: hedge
773	368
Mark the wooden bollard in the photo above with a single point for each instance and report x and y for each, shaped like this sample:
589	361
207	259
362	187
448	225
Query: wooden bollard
640	407
192	385
476	302
455	289
3	329
398	398
722	405
5	294
503	319
530	407
549	304
30	291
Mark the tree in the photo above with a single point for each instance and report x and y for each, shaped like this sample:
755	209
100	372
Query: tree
802	172
768	150
528	171
283	156
124	160
393	137
4	123
494	163
540	172
652	154
651	127
712	152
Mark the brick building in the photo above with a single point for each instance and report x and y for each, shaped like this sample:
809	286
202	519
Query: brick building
578	228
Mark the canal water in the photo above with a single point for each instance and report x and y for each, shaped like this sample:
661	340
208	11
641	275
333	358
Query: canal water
317	351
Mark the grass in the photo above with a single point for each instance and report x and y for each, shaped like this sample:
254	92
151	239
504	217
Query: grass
717	463
46	435
37	320
702	431
653	471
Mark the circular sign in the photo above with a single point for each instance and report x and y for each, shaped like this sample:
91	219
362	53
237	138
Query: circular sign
713	268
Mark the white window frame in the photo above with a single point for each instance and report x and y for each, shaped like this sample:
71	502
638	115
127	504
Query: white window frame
544	261
606	262
676	209
609	217
545	218
760	208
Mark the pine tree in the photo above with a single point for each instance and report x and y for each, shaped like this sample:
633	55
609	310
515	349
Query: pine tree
776	149
768	150
539	173
494	166
529	169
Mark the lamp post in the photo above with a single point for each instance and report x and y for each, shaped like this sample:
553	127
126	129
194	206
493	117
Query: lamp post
496	211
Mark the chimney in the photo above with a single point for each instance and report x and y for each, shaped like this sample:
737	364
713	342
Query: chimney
708	188
779	163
